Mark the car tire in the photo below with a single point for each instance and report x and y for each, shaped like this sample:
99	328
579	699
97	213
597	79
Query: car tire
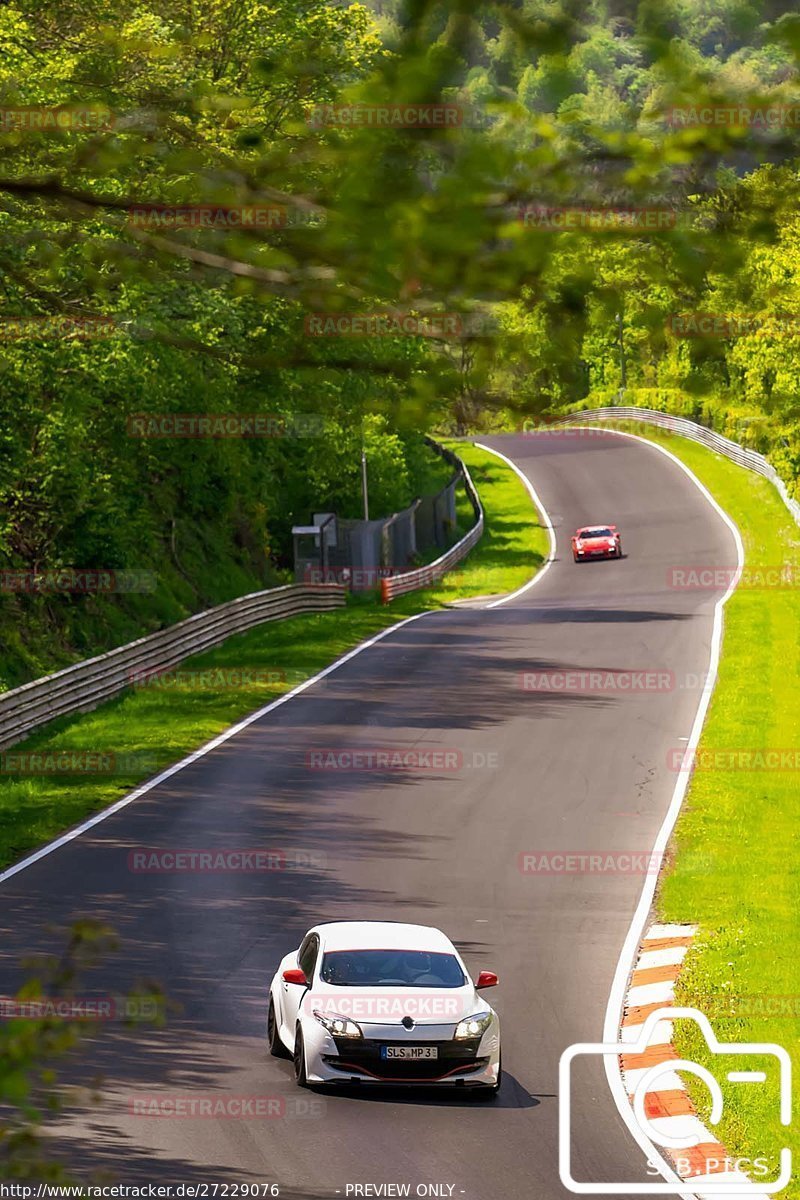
276	1046
575	558
299	1057
619	551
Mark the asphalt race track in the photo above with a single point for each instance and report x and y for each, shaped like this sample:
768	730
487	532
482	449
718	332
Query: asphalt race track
570	771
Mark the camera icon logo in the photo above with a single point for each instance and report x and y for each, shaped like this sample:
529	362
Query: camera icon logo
675	1133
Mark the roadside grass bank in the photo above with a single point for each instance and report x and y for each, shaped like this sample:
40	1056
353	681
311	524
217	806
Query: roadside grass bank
512	548
44	632
733	868
205	554
150	726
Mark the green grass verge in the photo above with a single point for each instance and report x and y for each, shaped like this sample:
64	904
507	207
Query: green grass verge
206	562
511	547
734	869
163	723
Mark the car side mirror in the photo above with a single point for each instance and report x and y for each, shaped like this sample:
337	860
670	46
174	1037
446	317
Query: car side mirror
486	979
295	975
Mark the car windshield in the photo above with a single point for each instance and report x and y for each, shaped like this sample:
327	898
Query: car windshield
406	968
595	533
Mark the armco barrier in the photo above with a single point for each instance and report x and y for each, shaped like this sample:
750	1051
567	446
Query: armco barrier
425	576
688	429
86	684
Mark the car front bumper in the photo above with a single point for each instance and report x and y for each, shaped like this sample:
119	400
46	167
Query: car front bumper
464	1063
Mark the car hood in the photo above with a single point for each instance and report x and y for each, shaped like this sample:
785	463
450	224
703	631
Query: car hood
389	1005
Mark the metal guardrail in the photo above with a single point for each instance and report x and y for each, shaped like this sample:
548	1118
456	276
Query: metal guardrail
697	433
420	577
83	686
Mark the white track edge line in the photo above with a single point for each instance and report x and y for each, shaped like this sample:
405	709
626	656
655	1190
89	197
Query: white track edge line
548	524
230	732
627	957
630	948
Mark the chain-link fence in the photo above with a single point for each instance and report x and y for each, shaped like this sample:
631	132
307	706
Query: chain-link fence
362	553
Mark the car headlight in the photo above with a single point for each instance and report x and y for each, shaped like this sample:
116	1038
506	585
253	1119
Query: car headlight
338	1026
472	1027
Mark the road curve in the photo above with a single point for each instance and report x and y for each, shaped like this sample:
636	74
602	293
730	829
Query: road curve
575	771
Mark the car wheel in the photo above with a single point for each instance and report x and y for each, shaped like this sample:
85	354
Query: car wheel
619	551
276	1046
575	558
300	1059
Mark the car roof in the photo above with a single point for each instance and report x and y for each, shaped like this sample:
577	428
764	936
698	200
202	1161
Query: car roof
382	935
597	525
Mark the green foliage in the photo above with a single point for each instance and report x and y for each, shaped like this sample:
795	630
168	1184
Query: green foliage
225	105
36	1039
161	721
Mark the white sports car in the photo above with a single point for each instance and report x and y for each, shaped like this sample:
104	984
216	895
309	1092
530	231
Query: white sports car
380	1002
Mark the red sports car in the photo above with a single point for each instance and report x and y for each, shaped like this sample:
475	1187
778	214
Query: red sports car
596	541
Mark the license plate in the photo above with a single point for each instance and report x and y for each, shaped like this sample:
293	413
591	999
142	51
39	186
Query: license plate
410	1052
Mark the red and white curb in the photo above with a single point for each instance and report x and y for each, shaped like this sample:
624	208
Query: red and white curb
669	1109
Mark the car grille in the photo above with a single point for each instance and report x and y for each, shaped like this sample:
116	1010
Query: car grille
364	1057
